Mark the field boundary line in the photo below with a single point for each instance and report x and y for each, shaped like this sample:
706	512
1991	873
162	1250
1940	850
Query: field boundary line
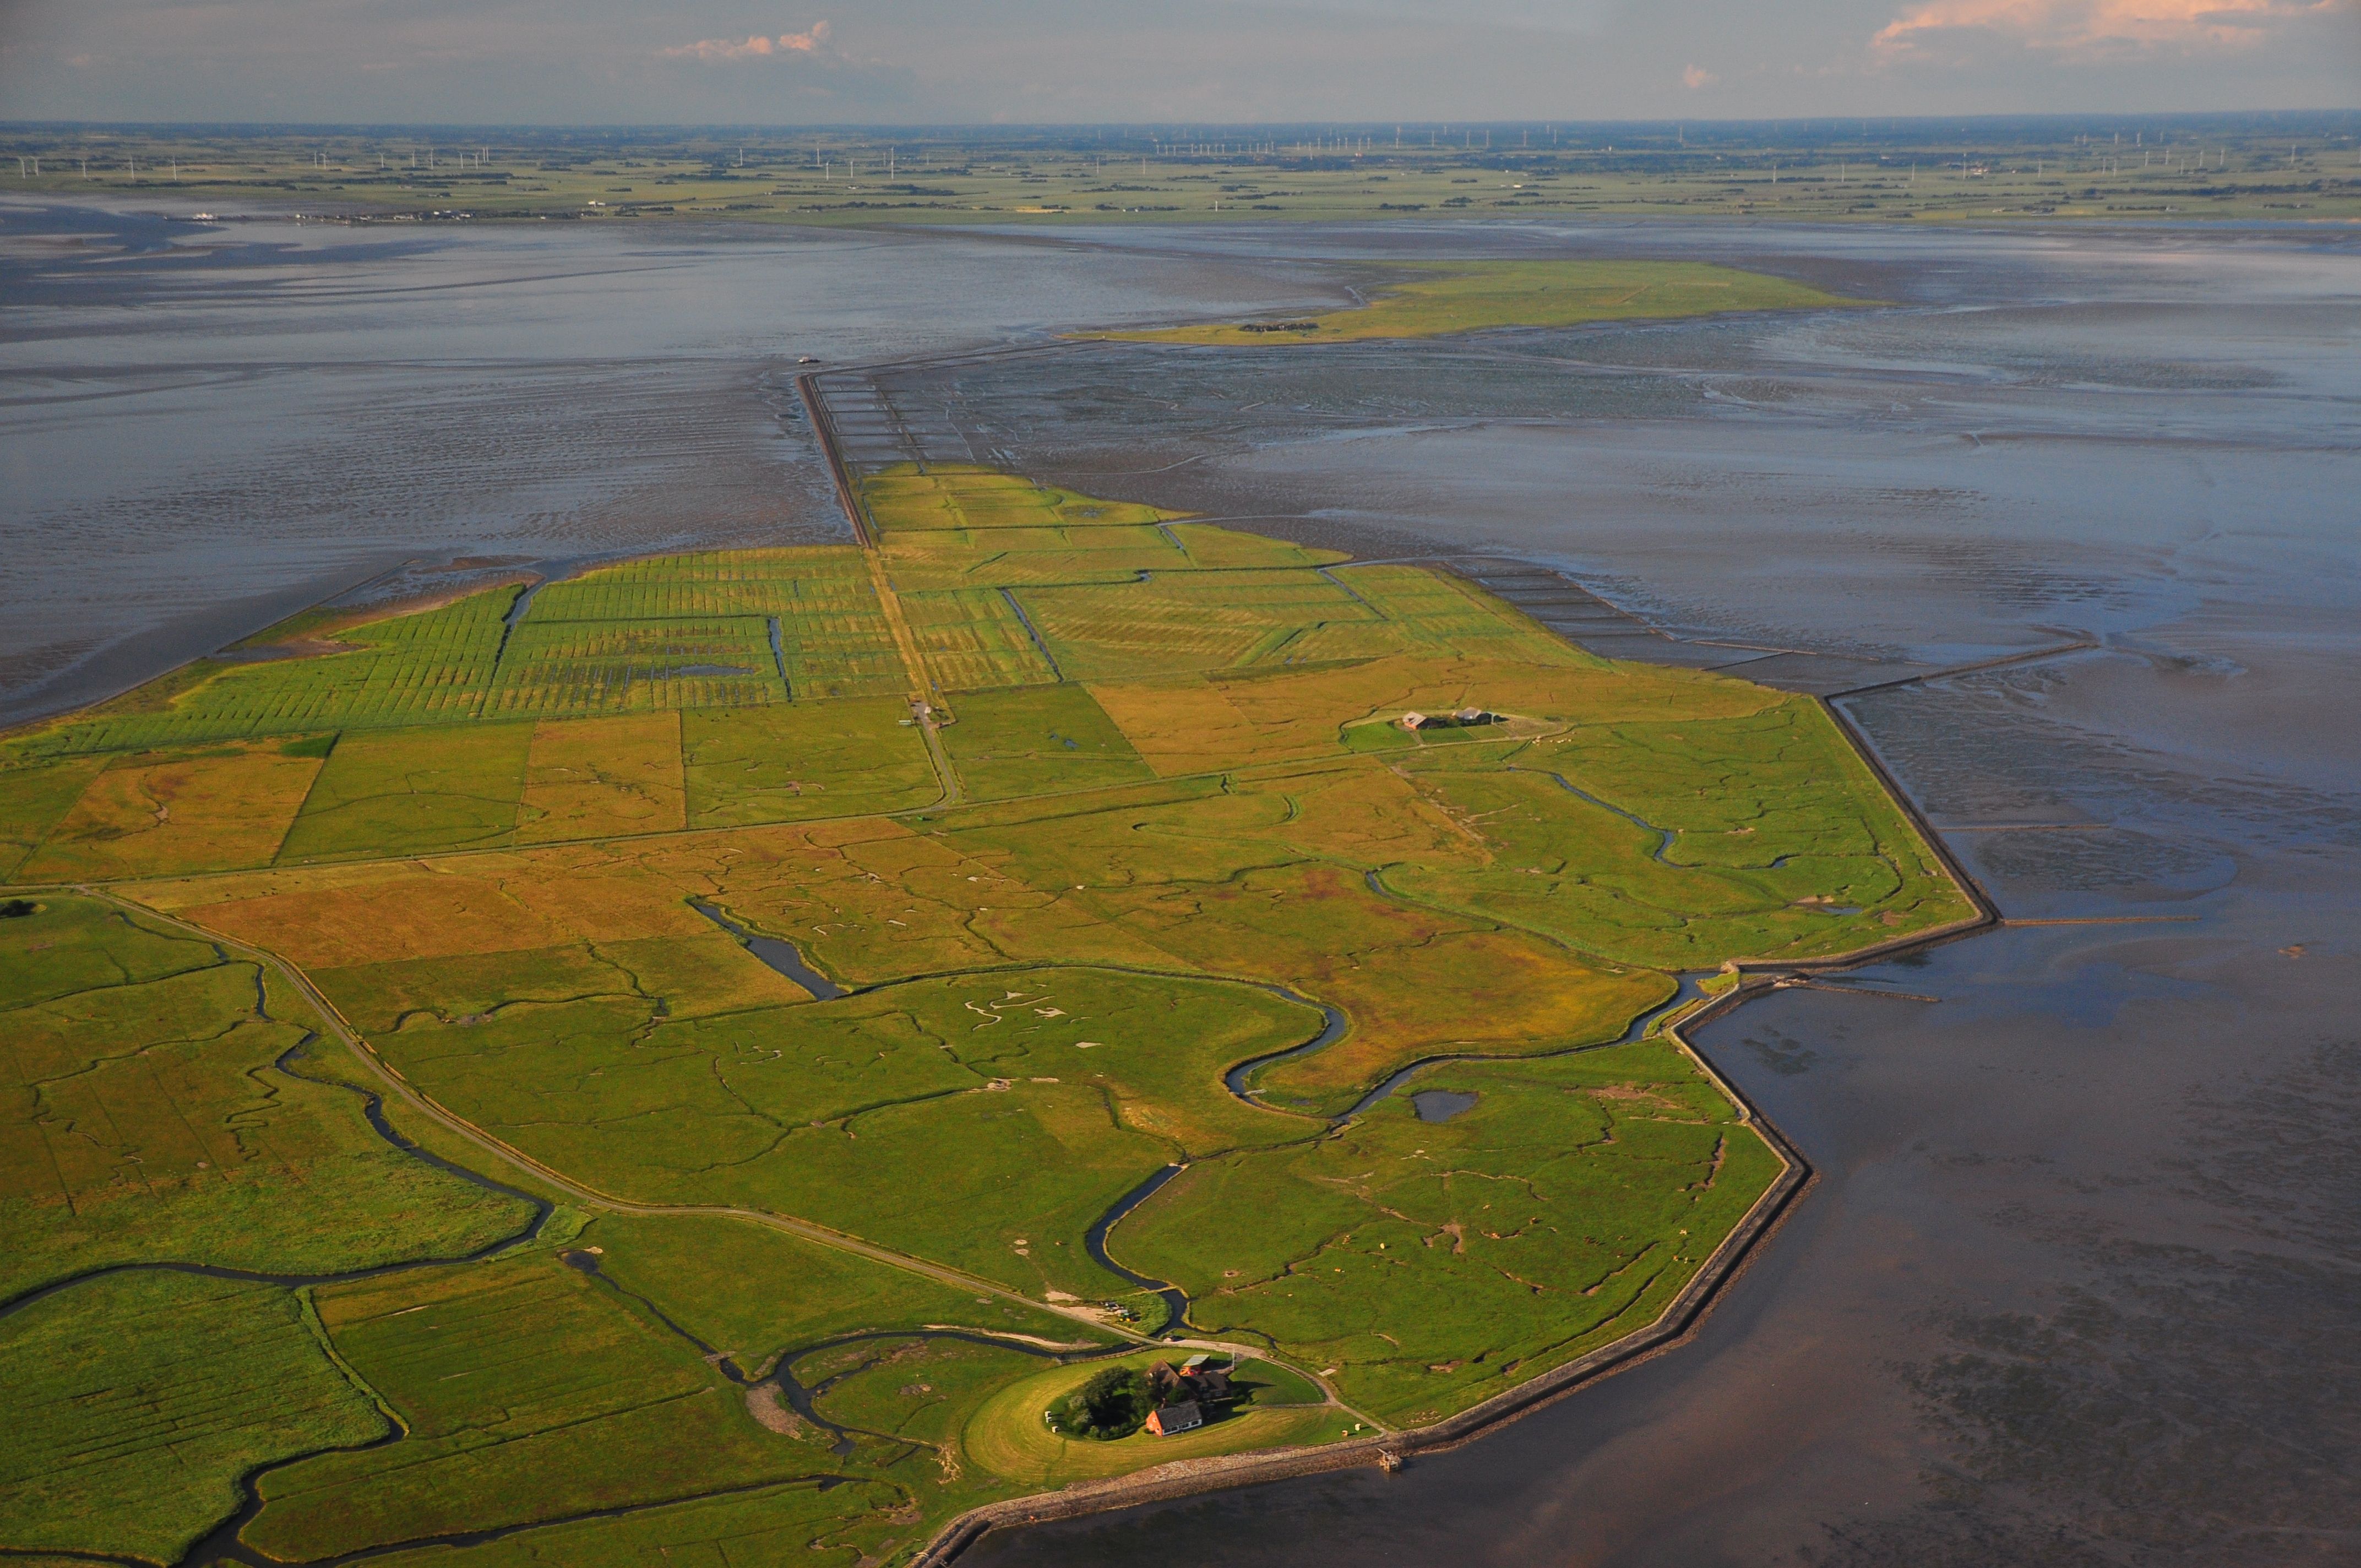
923	691
2054	651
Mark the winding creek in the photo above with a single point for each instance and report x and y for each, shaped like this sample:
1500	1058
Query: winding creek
778	1371
787	959
373	1108
1661	854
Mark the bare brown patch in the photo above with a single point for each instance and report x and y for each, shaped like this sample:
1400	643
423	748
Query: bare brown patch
762	1403
1633	1094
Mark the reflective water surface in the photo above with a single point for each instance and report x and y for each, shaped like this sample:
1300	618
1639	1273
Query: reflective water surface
206	426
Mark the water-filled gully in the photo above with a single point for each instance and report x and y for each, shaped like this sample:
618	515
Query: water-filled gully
777	952
1441	1104
780	1374
1176	1301
1030	630
1663	835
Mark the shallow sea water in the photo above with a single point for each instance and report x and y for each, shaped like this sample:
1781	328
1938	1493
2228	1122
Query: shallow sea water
2077	1282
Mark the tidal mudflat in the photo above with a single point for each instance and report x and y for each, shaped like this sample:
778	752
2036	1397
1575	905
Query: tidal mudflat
208	426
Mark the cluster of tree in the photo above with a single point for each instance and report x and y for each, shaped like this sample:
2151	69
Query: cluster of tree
1113	1404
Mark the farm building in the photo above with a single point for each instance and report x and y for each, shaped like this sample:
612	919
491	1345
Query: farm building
1197	1380
1466	717
1170	1418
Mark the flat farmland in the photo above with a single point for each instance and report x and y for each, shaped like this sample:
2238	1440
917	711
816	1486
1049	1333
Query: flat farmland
1042	741
152	814
396	791
636	666
859	1075
595	777
784	764
524	1392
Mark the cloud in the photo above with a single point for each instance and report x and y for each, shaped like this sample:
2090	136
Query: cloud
2086	26
814	41
1697	76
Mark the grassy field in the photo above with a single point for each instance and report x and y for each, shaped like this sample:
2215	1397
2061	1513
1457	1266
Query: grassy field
158	1109
525	1393
133	1405
404	791
153	813
2246	167
821	759
799	1524
1173	830
1039	740
792	1293
1433	1263
591	778
1437	298
917	1390
1063	1090
146	1117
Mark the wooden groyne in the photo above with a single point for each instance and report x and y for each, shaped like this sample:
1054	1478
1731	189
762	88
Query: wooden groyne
831	450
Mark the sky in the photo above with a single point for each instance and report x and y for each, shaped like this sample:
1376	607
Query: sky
1169	62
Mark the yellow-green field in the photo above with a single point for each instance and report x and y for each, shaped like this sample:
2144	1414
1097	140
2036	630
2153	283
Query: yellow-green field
1082	834
1437	298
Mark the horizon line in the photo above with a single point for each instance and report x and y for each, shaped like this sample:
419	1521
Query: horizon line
1199	127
